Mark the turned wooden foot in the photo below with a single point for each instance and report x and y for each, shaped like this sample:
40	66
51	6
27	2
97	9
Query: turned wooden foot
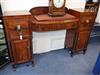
32	63
65	47
71	53
14	66
27	65
84	51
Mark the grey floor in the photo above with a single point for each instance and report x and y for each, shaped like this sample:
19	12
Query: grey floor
59	62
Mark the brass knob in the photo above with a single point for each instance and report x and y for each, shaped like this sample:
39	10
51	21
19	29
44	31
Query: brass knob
28	47
87	21
78	39
18	27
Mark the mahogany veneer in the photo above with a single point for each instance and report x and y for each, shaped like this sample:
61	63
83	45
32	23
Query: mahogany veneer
19	27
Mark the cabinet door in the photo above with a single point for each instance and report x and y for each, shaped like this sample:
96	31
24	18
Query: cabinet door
70	38
21	51
82	40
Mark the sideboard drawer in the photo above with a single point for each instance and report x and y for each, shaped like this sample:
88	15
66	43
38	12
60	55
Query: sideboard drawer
85	26
14	23
53	27
87	19
13	35
86	22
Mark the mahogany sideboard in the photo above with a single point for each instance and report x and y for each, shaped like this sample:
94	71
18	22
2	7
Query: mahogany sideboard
19	26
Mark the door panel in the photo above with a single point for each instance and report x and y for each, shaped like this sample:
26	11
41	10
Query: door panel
21	51
82	40
70	38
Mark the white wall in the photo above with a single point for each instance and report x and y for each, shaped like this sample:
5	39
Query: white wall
98	16
11	5
75	4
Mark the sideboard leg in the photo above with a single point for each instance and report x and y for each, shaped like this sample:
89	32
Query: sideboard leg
84	51
14	66
71	54
32	63
65	43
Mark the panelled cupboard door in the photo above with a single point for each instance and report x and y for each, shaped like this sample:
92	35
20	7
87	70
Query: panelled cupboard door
70	38
21	51
82	40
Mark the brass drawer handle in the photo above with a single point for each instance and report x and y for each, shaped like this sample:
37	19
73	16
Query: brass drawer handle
87	21
28	47
18	27
78	39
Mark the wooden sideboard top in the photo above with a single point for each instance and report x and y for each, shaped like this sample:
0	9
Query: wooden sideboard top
46	17
82	10
12	13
